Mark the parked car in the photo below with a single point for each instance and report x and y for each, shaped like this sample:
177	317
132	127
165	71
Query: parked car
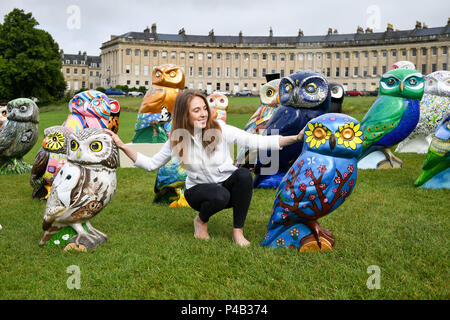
242	93
114	92
353	93
135	94
225	93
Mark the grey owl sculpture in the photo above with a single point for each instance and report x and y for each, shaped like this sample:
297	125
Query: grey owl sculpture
18	135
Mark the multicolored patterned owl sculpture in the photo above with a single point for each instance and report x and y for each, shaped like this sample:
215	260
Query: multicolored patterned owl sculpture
218	104
436	168
82	189
392	117
88	109
257	124
18	135
3	118
51	157
319	181
434	105
337	97
153	121
303	96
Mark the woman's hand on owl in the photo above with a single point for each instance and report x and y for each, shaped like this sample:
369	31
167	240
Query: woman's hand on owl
301	134
119	143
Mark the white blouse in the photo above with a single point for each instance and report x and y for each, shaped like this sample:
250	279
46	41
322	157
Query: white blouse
217	167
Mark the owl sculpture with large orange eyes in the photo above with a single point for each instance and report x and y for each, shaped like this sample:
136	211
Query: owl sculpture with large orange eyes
3	118
153	121
218	104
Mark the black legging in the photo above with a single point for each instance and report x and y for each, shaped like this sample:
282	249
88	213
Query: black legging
235	192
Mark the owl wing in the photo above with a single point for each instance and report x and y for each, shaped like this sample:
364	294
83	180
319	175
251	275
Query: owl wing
153	100
382	118
39	166
60	199
7	135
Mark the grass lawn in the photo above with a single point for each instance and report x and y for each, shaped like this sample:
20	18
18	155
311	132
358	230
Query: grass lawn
152	254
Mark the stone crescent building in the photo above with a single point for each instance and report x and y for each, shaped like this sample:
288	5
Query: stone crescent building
232	63
81	71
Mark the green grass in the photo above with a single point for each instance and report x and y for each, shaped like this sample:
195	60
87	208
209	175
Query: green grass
152	254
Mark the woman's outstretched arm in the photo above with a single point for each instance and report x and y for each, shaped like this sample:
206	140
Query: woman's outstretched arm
287	140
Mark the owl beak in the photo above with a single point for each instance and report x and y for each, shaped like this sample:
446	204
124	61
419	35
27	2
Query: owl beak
44	143
332	141
78	154
402	86
278	99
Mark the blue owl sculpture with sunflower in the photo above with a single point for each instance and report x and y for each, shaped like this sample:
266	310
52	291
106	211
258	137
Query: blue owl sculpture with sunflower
319	181
303	96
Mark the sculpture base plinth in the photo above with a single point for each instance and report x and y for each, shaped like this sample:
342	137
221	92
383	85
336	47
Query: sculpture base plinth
417	144
377	160
147	149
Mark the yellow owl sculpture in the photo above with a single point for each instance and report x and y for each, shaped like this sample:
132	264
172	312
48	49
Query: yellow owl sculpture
155	113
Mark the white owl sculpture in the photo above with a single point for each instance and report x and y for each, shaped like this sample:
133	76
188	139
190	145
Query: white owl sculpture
218	104
434	105
82	188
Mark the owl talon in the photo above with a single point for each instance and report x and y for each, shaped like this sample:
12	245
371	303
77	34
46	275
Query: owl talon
85	236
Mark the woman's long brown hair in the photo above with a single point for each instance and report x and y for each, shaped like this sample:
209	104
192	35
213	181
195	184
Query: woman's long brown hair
180	120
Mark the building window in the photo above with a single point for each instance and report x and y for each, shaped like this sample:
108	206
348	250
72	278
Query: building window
383	69
255	56
67	70
347	55
200	86
263	72
414	52
191	85
337	72
191	71
384	53
146	83
127	68
338	55
328	72
200	71
433	67
209	72
356	55
291	71
137	82
236	56
67	61
375	54
282	57
200	56
191	55
227	86
255	73
227	56
218	72
155	53
310	56
137	52
209	55
424	68
128	82
254	87
374	71
227	72
173	54
91	73
83	62
434	51
444	66
282	73
319	56
355	71
300	56
97	74
245	73
75	71
83	71
181	55
245	56
366	54
365	72
91	86
291	56
424	51
274	57
404	53
68	85
346	72
328	55
236	72
75	61
128	52
394	53
145	70
218	86
444	50
75	85
136	69
164	54
218	56
145	53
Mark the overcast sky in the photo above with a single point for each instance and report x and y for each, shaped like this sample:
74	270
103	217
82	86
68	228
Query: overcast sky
83	25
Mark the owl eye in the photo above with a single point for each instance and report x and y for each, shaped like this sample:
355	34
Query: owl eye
172	74
4	113
55	139
9	108
311	88
412	81
334	90
347	134
158	74
222	100
447	82
319	133
211	100
23	108
96	102
79	102
391	82
96	146
74	145
269	92
288	88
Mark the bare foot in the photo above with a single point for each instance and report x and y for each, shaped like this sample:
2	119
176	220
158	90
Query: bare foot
200	229
239	239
